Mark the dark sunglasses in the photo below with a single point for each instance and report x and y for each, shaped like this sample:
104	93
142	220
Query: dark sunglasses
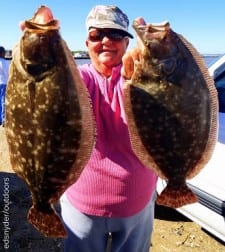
98	35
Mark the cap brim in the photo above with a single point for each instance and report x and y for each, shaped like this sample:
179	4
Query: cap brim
129	35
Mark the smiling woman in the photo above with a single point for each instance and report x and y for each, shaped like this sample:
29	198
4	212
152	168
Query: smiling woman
106	48
115	190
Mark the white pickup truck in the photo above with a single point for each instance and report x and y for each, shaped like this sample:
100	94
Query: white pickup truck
209	184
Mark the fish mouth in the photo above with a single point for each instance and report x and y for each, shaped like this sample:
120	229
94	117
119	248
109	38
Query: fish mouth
35	27
42	20
150	31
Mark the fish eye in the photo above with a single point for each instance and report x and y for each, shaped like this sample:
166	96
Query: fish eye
43	38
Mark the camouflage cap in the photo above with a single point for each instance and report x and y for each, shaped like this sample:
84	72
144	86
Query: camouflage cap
112	17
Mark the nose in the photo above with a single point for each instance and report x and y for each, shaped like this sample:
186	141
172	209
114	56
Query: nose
106	39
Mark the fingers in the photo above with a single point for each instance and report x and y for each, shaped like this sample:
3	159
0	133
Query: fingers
22	25
129	63
140	21
43	15
128	66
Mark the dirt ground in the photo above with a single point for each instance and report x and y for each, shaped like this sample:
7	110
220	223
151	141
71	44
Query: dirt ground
175	233
172	232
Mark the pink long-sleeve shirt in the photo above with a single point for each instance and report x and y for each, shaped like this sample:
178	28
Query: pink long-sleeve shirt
114	183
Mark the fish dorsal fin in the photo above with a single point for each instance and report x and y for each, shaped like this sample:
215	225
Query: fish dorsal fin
214	106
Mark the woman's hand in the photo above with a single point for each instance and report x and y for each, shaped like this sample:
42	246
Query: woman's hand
128	61
131	56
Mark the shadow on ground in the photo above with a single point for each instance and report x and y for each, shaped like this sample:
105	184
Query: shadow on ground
169	214
23	237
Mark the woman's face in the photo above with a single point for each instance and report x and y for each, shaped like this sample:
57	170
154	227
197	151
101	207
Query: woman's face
106	48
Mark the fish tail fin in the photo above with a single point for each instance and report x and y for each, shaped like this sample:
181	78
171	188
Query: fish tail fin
176	197
49	224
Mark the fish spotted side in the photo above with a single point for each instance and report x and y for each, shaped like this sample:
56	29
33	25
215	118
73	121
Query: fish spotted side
49	121
171	107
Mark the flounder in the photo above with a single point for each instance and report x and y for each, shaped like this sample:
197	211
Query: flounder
49	122
171	107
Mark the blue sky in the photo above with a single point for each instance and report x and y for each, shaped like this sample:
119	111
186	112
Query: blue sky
201	22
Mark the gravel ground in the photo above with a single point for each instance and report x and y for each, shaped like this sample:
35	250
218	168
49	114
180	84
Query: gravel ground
175	233
21	235
172	232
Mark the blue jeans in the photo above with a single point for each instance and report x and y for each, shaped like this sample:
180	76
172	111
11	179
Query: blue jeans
86	233
2	102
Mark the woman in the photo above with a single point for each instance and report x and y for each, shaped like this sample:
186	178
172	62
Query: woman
115	192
